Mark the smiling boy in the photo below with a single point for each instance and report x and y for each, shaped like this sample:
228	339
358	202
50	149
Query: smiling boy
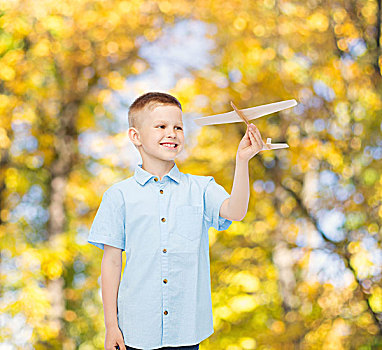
160	217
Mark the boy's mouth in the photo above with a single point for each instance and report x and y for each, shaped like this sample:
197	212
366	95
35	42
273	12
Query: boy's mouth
169	145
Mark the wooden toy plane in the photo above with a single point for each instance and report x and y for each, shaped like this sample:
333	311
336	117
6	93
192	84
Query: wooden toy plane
247	114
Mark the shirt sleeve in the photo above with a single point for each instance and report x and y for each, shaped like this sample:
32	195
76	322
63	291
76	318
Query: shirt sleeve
109	223
214	196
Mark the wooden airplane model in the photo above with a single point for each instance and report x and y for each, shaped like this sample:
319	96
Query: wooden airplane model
247	114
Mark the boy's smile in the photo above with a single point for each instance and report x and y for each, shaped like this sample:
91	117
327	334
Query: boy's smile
161	136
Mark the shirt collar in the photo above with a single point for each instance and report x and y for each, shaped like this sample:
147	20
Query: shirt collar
142	176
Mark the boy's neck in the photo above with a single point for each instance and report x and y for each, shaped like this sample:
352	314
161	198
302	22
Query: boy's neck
160	169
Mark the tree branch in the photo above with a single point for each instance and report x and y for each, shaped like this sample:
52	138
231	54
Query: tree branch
345	255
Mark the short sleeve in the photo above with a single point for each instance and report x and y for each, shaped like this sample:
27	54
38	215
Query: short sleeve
109	223
214	196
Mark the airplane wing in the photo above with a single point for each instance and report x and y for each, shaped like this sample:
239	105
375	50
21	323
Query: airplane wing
275	146
250	113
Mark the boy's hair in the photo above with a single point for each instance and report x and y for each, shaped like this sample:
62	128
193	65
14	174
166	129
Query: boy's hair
149	101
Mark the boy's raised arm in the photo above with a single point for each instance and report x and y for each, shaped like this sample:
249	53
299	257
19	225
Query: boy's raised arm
235	208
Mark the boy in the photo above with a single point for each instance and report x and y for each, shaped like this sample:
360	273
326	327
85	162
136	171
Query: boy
161	217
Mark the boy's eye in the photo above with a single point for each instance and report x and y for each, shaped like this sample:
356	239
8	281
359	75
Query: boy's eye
164	125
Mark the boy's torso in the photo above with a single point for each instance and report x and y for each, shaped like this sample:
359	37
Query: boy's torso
164	297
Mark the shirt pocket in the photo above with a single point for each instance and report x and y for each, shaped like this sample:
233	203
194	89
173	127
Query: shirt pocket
189	221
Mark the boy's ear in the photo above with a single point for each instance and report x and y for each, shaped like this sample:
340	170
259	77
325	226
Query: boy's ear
134	136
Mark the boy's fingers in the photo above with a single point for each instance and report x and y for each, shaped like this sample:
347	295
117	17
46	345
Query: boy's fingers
255	133
258	132
254	139
251	137
257	137
267	145
255	130
120	346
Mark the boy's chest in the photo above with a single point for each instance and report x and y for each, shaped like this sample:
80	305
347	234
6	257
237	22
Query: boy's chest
164	216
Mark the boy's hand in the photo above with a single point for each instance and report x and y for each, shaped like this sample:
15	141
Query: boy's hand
114	338
250	144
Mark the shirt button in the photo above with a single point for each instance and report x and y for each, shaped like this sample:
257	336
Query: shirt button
161	191
163	219
165	312
165	281
164	250
155	179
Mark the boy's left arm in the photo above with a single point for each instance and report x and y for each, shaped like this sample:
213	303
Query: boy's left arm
235	207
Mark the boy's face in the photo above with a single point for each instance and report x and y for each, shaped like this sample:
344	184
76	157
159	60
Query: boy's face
161	125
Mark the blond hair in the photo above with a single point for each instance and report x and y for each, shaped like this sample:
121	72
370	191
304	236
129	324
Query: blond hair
149	101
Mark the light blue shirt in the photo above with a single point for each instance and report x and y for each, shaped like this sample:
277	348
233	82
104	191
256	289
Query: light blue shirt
164	298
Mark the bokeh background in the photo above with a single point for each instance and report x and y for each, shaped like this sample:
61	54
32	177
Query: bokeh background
303	269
